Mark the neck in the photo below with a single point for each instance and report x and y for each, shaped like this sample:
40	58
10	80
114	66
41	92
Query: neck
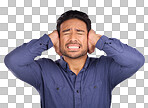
76	64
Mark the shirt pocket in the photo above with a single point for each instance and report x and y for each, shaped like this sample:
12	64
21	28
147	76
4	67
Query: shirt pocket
91	95
56	88
92	89
58	93
62	96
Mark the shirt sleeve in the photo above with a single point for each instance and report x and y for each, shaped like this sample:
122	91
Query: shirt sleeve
21	63
123	60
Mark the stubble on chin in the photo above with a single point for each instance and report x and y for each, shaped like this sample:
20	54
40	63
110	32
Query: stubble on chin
64	53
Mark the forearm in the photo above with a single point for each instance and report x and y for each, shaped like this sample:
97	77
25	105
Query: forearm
121	53
26	53
21	61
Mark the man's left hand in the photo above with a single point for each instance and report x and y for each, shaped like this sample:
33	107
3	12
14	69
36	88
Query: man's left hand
92	40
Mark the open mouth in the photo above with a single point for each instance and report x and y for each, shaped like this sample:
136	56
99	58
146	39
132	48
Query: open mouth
73	47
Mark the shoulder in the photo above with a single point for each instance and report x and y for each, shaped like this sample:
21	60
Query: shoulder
102	58
45	61
101	61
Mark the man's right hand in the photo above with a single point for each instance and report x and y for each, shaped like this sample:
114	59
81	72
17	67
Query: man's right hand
55	40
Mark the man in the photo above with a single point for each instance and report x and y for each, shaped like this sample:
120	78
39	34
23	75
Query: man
75	80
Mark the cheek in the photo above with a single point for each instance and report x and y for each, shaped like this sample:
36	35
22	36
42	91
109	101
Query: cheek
84	42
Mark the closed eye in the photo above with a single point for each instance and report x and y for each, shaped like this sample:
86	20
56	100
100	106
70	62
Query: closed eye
66	33
79	33
69	33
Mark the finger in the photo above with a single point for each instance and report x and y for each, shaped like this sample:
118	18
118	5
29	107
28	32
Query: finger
58	52
92	49
88	46
58	49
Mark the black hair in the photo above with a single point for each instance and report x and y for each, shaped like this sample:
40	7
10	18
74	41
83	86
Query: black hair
73	14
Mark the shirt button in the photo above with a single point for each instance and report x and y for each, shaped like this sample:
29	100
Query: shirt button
72	73
57	88
95	86
77	91
40	43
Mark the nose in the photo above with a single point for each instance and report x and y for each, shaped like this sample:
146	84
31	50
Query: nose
73	39
73	36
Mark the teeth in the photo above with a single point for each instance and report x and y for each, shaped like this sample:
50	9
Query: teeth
73	47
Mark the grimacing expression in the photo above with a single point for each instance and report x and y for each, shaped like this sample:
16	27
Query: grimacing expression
73	38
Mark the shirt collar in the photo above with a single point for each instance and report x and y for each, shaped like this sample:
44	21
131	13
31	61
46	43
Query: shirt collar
64	64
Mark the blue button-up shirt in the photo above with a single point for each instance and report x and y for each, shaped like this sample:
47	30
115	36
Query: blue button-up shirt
59	87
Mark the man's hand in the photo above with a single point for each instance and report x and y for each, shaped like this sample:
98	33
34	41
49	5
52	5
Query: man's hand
55	40
92	40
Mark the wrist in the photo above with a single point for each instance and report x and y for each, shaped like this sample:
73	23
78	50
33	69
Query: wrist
52	39
49	36
98	37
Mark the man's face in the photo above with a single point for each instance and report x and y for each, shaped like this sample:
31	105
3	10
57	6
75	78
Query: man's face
73	38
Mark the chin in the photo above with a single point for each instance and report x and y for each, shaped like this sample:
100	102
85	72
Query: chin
75	56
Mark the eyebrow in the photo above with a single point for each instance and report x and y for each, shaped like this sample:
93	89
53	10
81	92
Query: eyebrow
76	30
66	30
80	30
